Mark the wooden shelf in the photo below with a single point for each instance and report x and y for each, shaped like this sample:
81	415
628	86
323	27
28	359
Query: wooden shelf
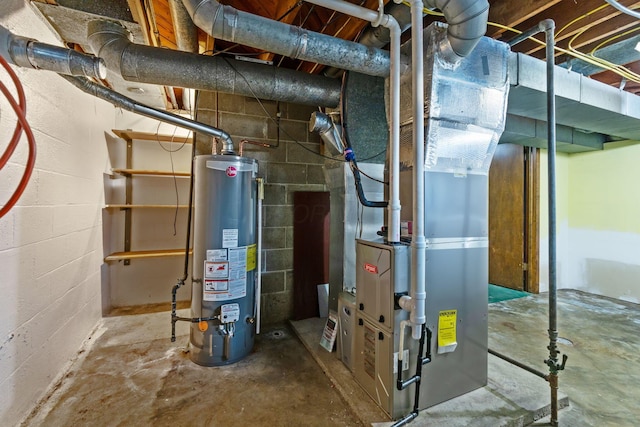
150	172
124	206
119	256
146	136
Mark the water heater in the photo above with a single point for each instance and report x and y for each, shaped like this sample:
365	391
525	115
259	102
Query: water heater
224	259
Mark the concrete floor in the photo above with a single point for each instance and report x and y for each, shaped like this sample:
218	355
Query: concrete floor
129	373
133	375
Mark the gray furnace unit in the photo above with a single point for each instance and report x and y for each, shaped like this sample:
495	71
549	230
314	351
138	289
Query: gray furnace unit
465	113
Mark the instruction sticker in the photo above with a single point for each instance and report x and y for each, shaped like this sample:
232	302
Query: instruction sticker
447	341
251	257
213	290
225	273
217	255
230	238
216	269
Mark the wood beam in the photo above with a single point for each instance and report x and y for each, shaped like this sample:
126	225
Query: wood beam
565	13
511	14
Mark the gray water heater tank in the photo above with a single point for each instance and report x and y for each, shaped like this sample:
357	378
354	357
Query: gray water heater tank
224	259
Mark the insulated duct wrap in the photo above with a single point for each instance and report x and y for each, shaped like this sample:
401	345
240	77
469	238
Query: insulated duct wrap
465	106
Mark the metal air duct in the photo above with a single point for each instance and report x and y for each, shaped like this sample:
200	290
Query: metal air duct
229	24
185	31
29	53
138	63
467	21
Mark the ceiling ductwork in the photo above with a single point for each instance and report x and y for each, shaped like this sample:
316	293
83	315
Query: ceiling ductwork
185	31
232	25
138	63
29	53
467	21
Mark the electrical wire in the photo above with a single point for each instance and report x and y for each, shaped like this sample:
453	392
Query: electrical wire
276	122
610	39
593	60
624	9
173	172
372	178
20	109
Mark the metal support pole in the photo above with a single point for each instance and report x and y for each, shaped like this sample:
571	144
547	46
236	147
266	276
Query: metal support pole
548	26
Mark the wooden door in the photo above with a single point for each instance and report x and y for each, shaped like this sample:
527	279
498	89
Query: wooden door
513	218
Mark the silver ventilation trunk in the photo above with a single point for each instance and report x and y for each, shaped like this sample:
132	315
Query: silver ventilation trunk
465	108
138	63
185	31
29	53
229	24
467	21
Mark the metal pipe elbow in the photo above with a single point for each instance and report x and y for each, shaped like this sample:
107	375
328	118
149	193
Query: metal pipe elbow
467	21
109	40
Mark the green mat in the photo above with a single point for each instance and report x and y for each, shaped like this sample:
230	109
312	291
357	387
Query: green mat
499	293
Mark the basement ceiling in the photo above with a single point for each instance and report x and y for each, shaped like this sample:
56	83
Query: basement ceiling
587	27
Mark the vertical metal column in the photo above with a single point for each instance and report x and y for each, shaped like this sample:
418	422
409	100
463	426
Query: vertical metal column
548	26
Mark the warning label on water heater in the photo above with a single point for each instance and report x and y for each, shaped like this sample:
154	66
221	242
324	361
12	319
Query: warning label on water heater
225	274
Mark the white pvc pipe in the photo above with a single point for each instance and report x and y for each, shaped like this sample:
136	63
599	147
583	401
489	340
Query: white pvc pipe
403	325
348	9
388	21
394	159
258	295
623	9
418	243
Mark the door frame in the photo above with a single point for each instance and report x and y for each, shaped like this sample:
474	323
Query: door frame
532	220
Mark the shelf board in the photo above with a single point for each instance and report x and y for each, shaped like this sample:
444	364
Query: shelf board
150	172
119	256
124	206
146	136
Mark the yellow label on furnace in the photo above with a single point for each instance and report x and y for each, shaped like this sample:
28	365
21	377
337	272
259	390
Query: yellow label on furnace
447	328
251	257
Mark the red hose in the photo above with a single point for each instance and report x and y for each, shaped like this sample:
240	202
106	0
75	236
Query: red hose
22	124
17	133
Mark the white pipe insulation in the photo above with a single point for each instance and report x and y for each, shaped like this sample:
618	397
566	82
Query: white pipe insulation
389	22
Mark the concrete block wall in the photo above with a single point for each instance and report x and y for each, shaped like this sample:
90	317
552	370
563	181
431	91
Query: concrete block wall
292	165
51	242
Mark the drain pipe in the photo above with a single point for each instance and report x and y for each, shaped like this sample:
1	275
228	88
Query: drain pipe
232	25
167	67
258	290
387	21
135	107
415	303
29	53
